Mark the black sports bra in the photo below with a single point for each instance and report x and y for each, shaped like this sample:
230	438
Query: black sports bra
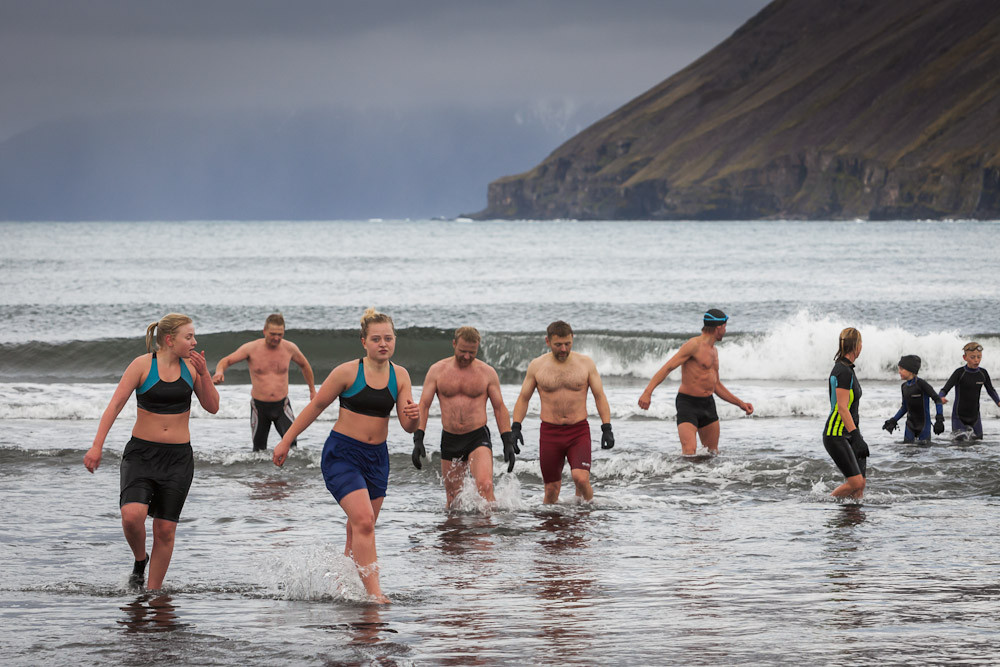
364	400
165	398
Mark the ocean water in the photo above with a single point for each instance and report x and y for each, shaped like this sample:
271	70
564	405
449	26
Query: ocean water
738	559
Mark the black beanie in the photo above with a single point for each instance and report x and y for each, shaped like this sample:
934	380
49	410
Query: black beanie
910	362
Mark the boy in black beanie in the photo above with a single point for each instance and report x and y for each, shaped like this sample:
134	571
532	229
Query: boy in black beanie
917	395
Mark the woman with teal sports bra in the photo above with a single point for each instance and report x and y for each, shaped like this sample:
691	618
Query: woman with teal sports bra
355	458
157	463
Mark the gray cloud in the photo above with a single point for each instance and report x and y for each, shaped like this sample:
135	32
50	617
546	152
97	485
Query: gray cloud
66	57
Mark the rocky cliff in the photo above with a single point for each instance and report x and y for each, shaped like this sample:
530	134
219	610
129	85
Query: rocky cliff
830	109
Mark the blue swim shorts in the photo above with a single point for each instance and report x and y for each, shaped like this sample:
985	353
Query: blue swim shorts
349	465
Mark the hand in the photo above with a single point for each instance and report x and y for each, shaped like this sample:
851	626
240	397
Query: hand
92	459
944	399
747	408
197	360
858	444
607	437
515	432
645	399
219	377
280	453
939	425
889	425
418	448
411	410
510	449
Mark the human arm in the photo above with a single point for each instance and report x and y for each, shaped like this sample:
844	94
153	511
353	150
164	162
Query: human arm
952	381
427	393
858	443
510	447
676	361
523	398
891	423
730	397
928	391
307	371
336	382
989	387
242	353
130	381
204	387
407	411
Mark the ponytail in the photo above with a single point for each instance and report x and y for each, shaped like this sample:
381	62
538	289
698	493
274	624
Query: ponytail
850	341
167	326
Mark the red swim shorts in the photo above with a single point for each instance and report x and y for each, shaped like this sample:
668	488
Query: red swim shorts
558	443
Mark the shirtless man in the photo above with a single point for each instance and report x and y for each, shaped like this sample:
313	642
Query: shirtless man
268	359
462	384
562	378
699	362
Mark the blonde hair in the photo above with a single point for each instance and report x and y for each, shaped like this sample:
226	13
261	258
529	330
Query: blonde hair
971	347
167	326
372	316
850	341
276	319
468	334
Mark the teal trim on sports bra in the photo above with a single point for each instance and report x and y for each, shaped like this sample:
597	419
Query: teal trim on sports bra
359	381
154	376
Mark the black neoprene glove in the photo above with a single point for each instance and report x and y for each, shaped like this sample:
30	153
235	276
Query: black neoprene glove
858	444
418	448
510	449
515	432
889	425
939	425
607	437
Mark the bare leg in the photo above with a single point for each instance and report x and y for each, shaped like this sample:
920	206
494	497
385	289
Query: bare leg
134	527
582	480
688	434
453	473
853	487
710	436
481	465
362	513
163	549
552	492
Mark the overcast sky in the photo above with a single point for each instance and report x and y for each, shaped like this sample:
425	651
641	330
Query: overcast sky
63	58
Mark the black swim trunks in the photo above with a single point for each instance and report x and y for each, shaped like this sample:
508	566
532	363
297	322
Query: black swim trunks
157	474
265	413
840	450
697	410
460	445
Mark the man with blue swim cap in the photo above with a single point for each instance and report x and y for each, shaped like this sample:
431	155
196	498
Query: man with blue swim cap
699	362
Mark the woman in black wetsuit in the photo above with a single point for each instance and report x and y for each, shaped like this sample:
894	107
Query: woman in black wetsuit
841	435
157	463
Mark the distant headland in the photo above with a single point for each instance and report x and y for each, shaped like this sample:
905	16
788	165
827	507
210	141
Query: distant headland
810	110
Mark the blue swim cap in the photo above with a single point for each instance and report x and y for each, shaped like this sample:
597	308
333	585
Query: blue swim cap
715	318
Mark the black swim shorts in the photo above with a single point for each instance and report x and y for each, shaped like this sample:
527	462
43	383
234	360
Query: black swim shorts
840	450
459	446
265	413
157	474
697	410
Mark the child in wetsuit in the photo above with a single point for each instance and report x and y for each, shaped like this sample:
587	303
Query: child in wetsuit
968	382
917	395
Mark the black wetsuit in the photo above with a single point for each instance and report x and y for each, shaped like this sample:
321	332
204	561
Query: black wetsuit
917	397
835	439
968	384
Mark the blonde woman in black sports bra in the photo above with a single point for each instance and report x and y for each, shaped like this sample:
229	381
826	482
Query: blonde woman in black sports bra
355	458
157	463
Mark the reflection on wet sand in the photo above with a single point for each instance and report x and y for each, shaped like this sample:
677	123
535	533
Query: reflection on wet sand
565	585
150	613
846	567
270	489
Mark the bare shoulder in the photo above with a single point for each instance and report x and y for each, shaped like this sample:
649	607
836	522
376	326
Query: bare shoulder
402	375
486	370
584	360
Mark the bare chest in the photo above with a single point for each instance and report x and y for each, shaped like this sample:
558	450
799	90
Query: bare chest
269	362
556	379
471	385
